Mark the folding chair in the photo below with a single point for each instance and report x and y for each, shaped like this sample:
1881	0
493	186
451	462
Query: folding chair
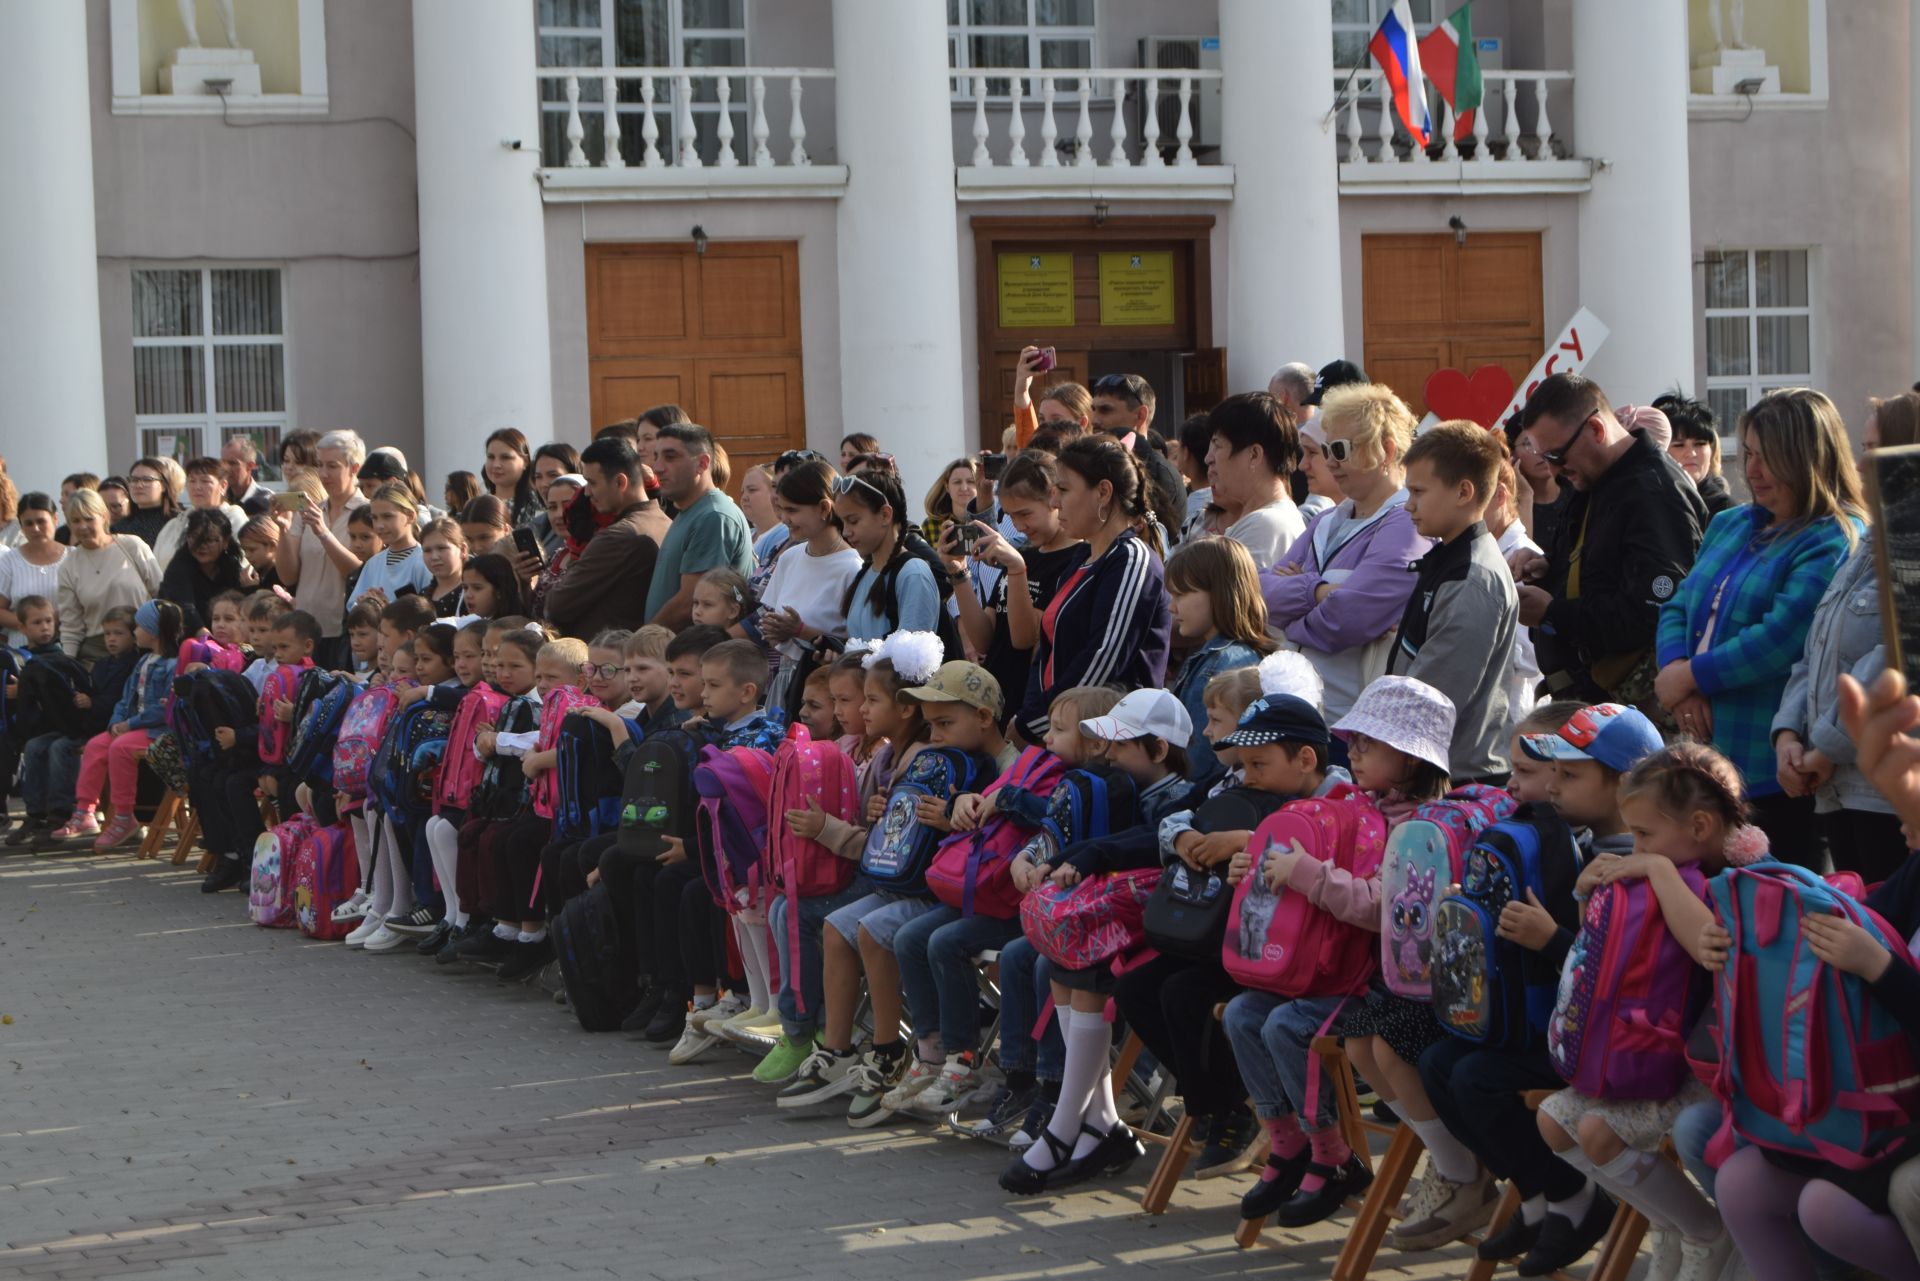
1180	1148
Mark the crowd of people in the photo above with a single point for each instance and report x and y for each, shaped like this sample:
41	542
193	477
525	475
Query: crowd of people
797	772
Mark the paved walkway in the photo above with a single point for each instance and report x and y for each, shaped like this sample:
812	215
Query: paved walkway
183	1095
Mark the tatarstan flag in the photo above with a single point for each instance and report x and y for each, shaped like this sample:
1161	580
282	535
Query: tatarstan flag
1448	58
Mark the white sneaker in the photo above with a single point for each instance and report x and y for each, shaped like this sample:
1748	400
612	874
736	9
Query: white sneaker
958	1079
1447	1211
353	909
360	933
920	1075
1663	1253
1705	1260
692	1044
385	940
755	1030
717	1013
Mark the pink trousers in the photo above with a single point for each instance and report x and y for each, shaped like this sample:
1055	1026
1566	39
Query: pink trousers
115	760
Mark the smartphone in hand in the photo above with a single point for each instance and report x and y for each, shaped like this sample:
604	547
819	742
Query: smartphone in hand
1045	361
523	538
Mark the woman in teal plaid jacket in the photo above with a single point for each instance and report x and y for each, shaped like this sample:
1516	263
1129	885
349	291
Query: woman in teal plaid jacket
1730	635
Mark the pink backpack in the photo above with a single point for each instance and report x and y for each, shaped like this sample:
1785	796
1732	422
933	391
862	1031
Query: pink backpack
326	872
205	649
1092	922
283	682
1627	997
973	871
1279	942
360	732
559	702
460	769
798	866
730	823
270	894
1425	858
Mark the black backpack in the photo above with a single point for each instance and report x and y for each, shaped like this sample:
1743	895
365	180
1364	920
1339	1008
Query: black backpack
589	787
1187	915
207	700
502	789
656	792
319	705
598	972
44	704
916	547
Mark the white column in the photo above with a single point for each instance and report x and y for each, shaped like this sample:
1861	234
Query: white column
1284	289
1636	252
483	258
898	241
53	419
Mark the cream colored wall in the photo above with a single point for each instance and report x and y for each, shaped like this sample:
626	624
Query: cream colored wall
1777	26
270	28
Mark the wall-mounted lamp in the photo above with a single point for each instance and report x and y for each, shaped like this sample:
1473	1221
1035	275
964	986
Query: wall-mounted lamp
700	240
1100	213
1750	86
1459	226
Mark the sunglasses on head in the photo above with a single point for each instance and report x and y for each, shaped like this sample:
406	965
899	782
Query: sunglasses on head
843	485
1115	384
794	457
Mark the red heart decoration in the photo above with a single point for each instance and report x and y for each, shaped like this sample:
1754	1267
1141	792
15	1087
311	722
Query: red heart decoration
1481	398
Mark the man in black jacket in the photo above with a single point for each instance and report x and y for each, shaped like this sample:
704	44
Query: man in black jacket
1627	538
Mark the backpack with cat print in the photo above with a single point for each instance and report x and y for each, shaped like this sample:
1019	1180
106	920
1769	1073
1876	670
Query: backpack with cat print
361	731
44	704
326	873
1187	915
899	846
1486	988
730	824
461	771
270	892
1426	857
203	702
318	708
502	789
973	871
657	799
587	800
1277	940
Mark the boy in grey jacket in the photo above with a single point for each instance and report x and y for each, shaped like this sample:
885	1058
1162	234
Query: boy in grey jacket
1457	632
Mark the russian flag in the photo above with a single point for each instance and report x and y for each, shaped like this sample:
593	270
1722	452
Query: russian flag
1397	51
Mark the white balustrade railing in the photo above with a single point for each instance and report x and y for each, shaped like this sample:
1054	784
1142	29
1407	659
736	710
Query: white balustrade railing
1081	91
685	96
1496	133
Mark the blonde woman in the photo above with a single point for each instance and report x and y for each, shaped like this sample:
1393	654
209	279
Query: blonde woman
101	570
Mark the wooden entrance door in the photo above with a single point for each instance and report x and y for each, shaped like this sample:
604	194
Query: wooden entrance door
717	333
1429	304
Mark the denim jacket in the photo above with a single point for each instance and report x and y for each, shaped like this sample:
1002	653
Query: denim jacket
1221	654
143	703
1845	637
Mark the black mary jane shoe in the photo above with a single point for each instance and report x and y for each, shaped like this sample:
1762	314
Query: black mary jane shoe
1512	1241
434	943
1022	1179
1268	1195
1351	1179
1116	1150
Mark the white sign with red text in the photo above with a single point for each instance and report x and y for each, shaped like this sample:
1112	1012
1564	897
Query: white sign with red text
1568	355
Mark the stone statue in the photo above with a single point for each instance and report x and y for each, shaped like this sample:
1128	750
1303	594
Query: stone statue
1738	23
190	20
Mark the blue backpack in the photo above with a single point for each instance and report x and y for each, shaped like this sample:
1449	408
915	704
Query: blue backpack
900	847
1810	1062
1088	803
401	780
204	701
1485	988
587	792
319	707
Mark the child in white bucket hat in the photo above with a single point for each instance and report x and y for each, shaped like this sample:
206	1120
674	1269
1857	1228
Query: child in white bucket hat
1397	735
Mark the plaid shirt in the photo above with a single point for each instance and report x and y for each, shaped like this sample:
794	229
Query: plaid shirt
1766	591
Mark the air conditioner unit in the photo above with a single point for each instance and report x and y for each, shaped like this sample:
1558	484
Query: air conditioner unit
1182	53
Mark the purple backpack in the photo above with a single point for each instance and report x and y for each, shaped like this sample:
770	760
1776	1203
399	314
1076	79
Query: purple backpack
730	824
1426	856
1628	994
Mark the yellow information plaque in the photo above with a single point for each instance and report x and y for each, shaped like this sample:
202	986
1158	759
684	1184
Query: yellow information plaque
1136	289
1036	291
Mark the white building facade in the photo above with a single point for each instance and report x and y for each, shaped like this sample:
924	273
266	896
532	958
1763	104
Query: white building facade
803	218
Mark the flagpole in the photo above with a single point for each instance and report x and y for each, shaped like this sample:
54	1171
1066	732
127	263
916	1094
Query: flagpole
1340	93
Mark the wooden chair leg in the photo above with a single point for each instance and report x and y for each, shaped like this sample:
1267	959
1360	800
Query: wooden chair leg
163	816
1173	1163
1482	1269
186	832
1123	1066
1370	1225
1247	1235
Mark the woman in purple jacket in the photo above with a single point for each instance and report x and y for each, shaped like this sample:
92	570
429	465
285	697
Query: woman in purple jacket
1341	588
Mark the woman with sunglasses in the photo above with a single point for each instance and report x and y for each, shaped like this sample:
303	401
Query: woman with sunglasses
153	502
1341	588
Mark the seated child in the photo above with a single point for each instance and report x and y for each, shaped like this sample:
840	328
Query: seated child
607	667
363	635
816	706
51	758
112	757
263	608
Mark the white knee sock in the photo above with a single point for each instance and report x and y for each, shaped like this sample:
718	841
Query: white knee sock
1077	1076
1575	1207
1661	1191
753	959
1453	1160
362	846
443	842
399	877
380	889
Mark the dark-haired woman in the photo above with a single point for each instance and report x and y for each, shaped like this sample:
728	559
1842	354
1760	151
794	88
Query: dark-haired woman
510	474
154	503
33	567
207	563
895	590
805	598
1108	622
551	461
1696	447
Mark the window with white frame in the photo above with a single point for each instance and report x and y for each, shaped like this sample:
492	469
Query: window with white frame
1040	35
1355	21
1759	316
695	34
209	361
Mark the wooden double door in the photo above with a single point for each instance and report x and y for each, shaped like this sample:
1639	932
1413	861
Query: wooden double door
1432	303
717	333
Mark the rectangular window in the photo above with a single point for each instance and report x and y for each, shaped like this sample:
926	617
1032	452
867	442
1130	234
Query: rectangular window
1759	316
1039	35
209	361
1355	21
695	34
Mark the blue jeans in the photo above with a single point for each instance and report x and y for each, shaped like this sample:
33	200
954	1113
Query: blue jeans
1026	986
813	915
50	773
936	952
1271	1038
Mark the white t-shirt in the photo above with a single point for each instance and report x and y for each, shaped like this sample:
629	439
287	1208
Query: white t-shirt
1267	532
20	578
813	586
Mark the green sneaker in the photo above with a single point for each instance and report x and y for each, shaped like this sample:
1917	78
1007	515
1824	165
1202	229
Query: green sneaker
784	1059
